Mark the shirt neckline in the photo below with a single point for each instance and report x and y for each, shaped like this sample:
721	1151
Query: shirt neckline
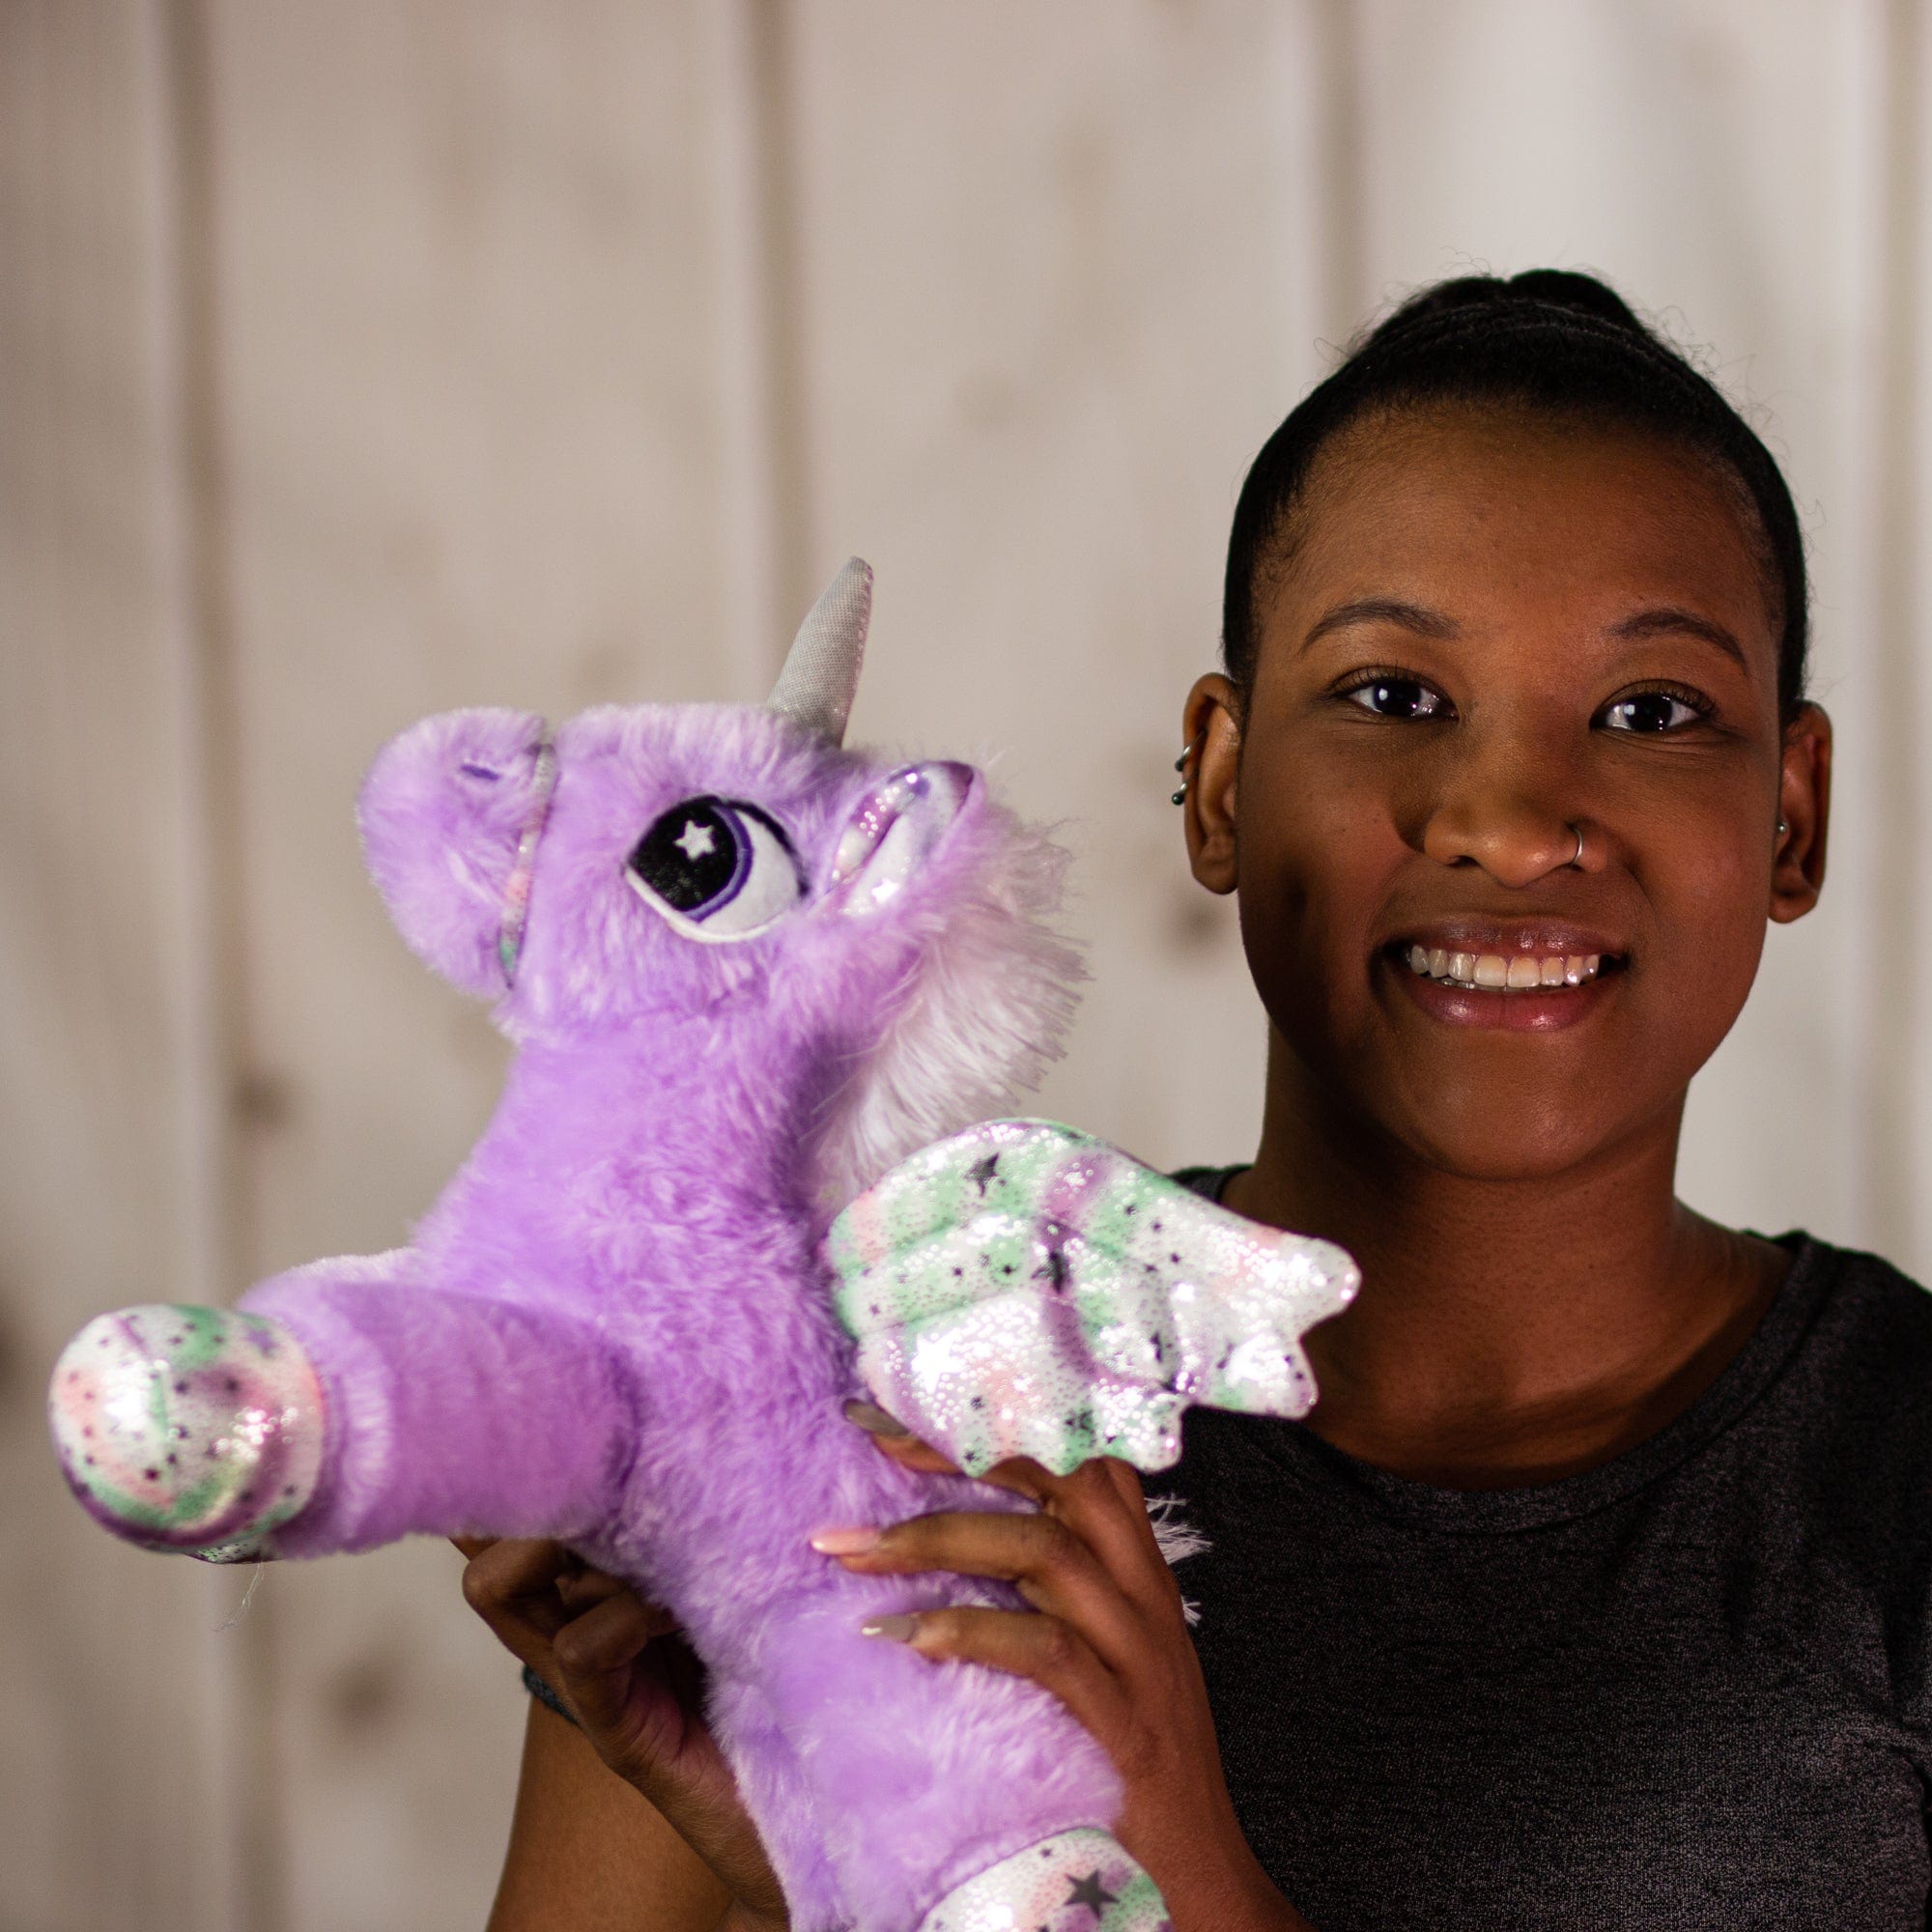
1743	1380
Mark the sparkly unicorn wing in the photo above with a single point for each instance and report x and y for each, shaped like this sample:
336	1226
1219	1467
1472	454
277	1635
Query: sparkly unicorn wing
1024	1289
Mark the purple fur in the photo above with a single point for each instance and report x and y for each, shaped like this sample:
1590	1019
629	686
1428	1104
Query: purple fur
614	1327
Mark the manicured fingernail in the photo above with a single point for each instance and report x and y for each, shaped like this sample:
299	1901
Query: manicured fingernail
844	1542
876	1420
901	1630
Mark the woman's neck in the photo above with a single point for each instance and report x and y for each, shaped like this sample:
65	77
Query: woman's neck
1508	1331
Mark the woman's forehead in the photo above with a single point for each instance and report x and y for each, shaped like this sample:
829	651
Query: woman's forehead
1496	511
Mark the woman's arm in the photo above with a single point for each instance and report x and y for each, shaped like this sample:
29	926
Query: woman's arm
627	1819
589	1853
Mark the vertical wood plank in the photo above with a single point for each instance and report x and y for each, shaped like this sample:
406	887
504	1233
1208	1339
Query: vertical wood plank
1061	273
486	369
118	1801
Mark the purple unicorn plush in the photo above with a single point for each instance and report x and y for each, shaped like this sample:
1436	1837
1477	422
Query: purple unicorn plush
746	970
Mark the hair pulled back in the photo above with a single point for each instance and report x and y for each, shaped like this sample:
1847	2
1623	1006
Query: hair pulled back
1546	339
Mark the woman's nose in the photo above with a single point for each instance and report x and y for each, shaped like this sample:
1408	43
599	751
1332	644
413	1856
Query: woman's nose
1515	825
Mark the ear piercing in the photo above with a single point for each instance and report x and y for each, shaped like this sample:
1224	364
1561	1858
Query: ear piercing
1181	765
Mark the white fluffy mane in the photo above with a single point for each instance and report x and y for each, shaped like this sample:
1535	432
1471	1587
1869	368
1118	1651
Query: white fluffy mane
985	1016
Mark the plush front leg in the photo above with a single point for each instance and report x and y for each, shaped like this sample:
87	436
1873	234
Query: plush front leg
449	1412
189	1429
342	1405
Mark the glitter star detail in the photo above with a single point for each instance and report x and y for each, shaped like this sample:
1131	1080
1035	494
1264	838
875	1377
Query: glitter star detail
982	1171
1092	1893
696	840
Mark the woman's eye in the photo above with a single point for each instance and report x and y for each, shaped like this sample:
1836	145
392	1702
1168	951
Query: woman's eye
1652	711
716	869
1399	697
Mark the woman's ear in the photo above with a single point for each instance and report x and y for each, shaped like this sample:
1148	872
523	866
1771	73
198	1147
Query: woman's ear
1211	729
1804	804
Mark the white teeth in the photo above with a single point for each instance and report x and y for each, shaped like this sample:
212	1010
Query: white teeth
1517	972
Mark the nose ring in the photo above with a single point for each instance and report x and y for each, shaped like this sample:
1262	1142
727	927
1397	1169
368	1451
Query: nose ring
1576	856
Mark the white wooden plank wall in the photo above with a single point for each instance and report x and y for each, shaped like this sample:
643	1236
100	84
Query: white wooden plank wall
359	360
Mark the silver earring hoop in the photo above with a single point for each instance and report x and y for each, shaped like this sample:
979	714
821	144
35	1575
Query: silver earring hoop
1576	856
1181	765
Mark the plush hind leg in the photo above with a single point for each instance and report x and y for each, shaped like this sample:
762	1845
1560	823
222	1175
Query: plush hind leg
948	1796
1075	1880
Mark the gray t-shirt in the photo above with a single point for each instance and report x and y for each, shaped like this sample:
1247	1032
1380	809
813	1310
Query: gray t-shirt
1686	1688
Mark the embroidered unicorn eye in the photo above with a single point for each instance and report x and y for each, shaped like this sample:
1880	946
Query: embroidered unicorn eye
716	869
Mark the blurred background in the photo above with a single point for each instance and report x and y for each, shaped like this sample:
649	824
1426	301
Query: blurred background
360	359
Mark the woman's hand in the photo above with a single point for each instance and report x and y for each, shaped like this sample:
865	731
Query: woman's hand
1107	1636
636	1692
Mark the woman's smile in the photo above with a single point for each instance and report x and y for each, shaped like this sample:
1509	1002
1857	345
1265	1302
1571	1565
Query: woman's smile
1519	991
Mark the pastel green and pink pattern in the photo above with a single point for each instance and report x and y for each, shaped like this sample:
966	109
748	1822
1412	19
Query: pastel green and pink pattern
1078	1881
1025	1290
188	1429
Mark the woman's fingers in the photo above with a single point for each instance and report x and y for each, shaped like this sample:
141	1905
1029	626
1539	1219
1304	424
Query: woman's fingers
1054	1569
1043	1649
1101	1502
896	1441
530	1589
511	1585
636	1714
606	1638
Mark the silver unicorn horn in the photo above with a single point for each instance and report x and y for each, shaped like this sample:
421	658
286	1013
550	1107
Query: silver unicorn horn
821	669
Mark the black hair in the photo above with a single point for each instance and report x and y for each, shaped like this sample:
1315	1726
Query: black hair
1546	339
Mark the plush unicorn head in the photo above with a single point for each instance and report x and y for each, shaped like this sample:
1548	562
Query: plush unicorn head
746	969
871	937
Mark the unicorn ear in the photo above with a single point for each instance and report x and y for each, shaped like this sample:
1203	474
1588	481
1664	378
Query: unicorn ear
442	813
894	829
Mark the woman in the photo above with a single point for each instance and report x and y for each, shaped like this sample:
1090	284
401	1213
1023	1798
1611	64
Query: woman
1594	1591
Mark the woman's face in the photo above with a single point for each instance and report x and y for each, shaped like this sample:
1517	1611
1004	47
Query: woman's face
1494	628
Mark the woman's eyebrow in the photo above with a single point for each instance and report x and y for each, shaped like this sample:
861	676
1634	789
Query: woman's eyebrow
1669	617
1383	610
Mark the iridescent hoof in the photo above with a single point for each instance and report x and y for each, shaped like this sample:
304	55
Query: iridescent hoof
189	1429
1073	1882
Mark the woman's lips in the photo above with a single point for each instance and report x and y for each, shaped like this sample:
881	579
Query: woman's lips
1483	989
1519	969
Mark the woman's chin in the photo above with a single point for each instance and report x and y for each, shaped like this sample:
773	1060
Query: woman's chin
1482	1142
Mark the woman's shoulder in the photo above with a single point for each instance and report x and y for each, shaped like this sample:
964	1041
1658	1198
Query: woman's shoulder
1207	1181
1865	1351
1860	1299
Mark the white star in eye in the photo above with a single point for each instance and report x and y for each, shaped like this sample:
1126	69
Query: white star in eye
696	840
